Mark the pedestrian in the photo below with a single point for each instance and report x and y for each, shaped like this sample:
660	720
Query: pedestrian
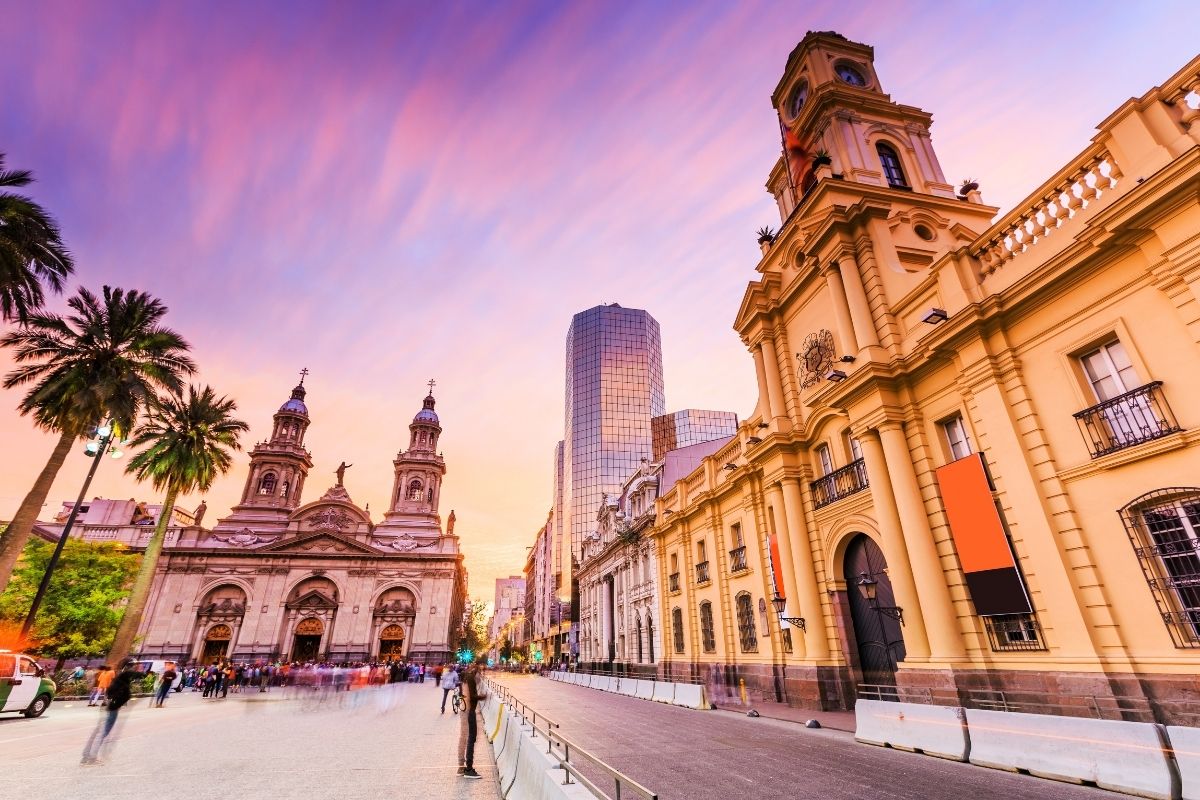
450	682
164	683
103	678
120	690
474	690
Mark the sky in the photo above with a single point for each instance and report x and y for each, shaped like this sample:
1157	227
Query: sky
386	193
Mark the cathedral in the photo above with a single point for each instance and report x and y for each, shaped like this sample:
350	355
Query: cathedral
280	578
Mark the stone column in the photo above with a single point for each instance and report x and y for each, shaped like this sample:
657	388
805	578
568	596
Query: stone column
941	623
841	309
764	398
916	641
856	295
774	384
806	571
787	569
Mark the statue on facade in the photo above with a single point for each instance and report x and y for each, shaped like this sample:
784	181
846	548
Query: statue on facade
450	524
341	472
199	515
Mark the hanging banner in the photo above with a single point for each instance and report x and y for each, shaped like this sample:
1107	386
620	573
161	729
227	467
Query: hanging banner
983	550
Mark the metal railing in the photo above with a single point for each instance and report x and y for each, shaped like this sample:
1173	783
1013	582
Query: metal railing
840	483
737	559
570	755
1126	420
702	572
631	676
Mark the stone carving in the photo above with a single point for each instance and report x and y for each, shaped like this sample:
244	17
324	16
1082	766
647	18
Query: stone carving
243	538
226	606
816	357
330	519
404	543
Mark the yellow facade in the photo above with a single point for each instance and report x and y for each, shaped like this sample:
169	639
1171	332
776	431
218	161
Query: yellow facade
898	326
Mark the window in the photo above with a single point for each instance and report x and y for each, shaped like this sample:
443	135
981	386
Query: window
267	484
677	628
674	562
283	490
637	632
1109	371
1165	529
700	551
707	632
824	459
415	490
429	495
745	617
650	637
1014	632
956	436
892	170
855	448
1127	413
735	534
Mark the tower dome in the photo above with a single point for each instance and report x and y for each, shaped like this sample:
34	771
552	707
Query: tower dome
427	414
295	403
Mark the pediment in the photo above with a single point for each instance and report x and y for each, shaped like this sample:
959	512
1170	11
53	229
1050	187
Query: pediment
313	600
323	542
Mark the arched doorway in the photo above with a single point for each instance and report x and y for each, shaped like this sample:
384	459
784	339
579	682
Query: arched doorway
216	642
306	645
391	643
880	638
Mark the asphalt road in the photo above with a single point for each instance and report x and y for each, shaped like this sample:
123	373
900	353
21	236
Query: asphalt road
373	744
683	754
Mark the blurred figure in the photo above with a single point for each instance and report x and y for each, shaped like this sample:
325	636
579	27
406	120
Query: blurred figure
118	694
450	682
475	690
104	677
165	682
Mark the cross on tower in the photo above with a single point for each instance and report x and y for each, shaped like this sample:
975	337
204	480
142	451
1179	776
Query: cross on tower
432	382
303	375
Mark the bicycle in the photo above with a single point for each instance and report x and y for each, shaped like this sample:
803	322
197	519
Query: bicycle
458	702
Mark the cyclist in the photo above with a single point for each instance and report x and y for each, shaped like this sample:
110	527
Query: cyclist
450	682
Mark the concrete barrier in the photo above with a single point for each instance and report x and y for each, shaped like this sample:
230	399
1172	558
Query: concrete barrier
934	730
663	692
1186	744
627	687
602	682
1130	757
508	758
690	695
644	690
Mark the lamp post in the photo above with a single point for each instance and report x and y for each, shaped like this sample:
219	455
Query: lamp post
102	438
780	603
869	587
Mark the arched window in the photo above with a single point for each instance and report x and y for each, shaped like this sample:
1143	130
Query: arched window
414	490
637	632
707	631
267	484
429	495
1164	527
677	628
745	617
283	490
892	170
650	637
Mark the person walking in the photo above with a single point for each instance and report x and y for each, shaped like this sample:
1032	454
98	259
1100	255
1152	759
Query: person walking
104	678
474	690
118	694
164	683
450	682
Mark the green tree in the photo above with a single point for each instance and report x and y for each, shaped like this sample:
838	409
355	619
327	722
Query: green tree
31	249
104	361
188	441
82	606
475	627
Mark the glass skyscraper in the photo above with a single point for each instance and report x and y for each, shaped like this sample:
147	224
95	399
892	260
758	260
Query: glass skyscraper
688	427
614	388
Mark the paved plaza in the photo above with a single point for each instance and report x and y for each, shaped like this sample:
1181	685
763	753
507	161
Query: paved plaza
717	755
375	744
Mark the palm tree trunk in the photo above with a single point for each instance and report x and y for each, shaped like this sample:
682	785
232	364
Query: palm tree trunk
14	539
123	641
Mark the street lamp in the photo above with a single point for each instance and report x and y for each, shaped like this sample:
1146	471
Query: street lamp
102	438
869	587
780	602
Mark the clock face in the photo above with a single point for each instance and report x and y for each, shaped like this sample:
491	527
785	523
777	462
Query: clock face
850	75
799	97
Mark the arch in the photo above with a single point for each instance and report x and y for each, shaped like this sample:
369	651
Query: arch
415	489
266	485
320	584
310	626
1164	528
879	636
406	585
395	600
892	165
838	540
225	580
392	633
650	636
223	598
637	632
219	633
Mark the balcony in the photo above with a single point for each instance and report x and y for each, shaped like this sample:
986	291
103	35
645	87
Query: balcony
840	483
702	572
737	559
673	581
1126	420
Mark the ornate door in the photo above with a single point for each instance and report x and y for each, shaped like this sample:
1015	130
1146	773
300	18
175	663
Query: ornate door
216	642
391	643
880	638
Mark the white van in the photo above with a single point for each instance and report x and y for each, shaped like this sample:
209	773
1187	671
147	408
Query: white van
24	687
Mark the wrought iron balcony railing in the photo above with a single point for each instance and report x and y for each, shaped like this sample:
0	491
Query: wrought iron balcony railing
1127	420
673	581
840	483
737	559
702	572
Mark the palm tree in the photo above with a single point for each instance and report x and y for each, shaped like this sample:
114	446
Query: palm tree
31	249
187	443
104	361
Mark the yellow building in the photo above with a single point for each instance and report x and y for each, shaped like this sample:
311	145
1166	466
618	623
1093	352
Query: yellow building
975	454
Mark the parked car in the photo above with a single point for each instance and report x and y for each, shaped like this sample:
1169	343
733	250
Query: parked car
24	687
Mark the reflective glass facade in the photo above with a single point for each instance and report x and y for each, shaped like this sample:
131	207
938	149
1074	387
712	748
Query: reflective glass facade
614	388
688	427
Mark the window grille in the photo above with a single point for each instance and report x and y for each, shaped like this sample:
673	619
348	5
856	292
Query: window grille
677	629
707	630
702	572
1164	528
737	559
1014	632
745	617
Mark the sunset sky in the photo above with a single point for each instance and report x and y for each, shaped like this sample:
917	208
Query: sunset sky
391	192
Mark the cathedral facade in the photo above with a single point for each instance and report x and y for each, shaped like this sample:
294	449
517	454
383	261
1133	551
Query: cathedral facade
280	578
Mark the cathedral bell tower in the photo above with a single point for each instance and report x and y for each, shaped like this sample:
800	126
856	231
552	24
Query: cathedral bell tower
279	465
416	490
